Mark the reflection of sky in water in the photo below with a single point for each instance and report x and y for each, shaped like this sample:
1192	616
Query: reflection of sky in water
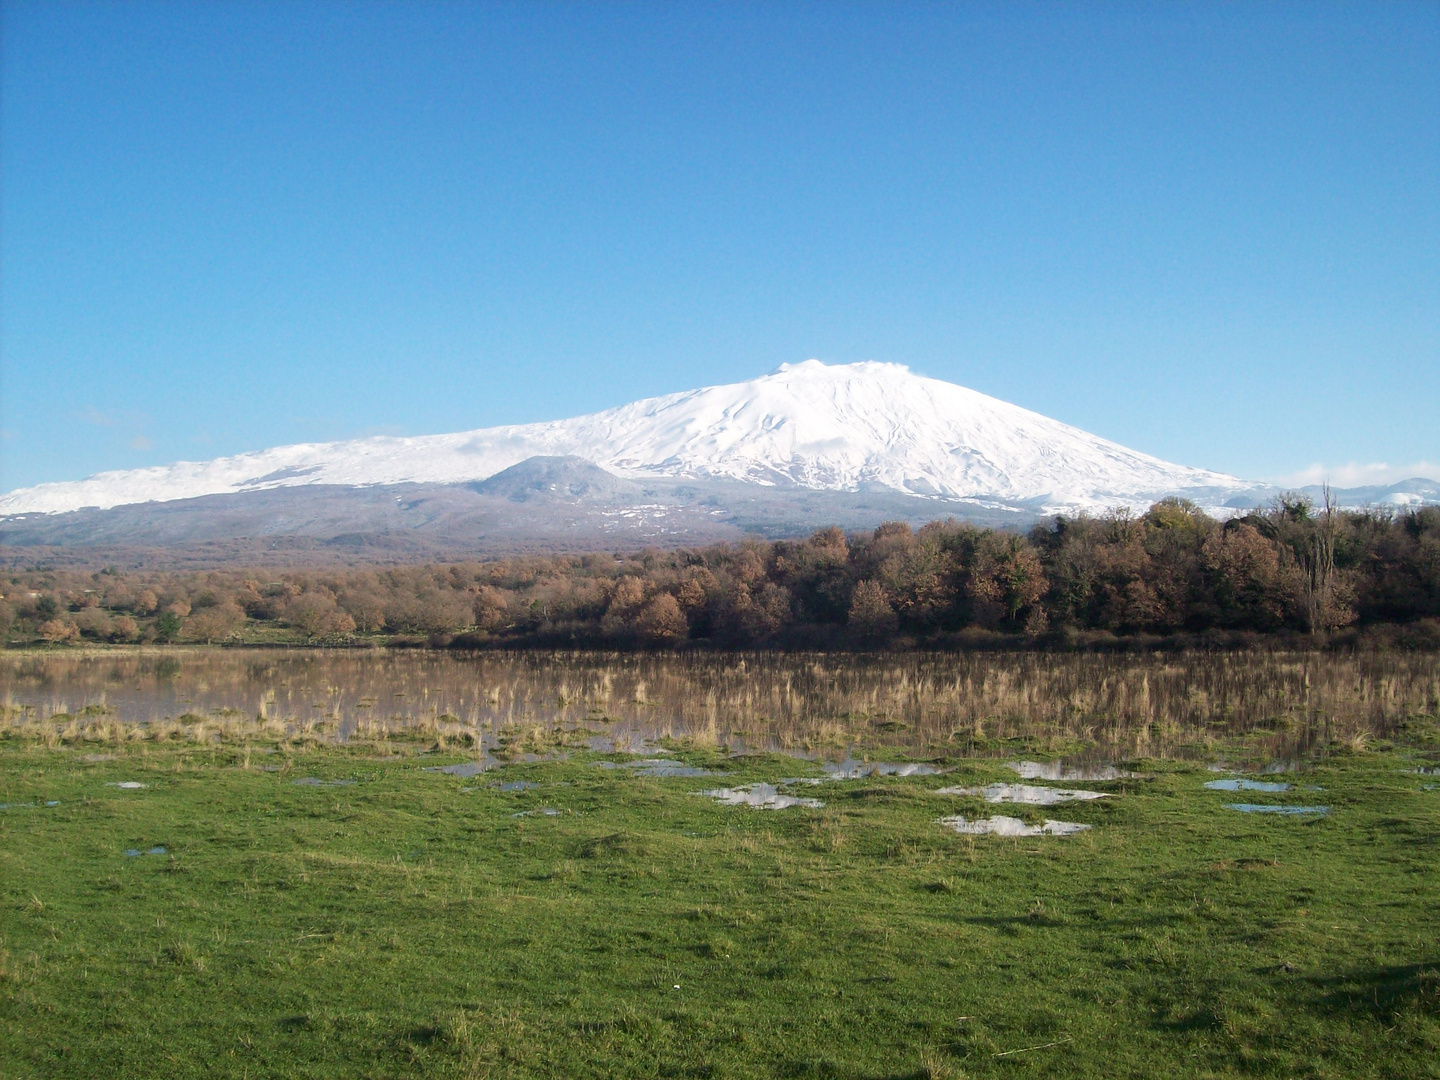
1022	793
1257	808
760	796
658	767
1064	770
131	853
1246	785
464	768
1010	826
853	769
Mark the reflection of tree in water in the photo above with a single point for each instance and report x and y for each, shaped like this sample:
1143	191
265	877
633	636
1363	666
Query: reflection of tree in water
1288	703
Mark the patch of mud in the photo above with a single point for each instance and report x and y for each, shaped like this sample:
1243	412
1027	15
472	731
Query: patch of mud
1062	770
97	757
1010	826
1023	793
760	796
1257	808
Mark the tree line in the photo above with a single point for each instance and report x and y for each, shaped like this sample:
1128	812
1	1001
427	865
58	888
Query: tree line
1288	569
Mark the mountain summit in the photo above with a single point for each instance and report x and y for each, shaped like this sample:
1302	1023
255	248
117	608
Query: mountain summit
866	427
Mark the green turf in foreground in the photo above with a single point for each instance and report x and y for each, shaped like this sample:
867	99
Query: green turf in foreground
401	925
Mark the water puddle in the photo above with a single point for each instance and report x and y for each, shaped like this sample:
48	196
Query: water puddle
465	769
1010	826
1023	793
129	785
760	796
1257	808
658	767
1269	767
1427	770
544	811
1246	785
27	805
315	781
853	769
1060	770
131	853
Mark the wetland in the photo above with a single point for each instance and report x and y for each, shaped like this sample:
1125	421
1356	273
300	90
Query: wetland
371	863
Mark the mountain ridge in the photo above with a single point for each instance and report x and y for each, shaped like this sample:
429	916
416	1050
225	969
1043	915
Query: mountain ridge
843	428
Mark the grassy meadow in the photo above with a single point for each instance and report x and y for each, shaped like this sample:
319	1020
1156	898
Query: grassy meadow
327	907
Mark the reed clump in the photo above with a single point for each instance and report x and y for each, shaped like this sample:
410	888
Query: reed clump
544	702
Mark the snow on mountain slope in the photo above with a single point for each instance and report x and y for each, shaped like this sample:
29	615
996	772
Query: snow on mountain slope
842	427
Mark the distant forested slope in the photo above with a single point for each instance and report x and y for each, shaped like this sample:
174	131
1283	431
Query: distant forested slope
1172	572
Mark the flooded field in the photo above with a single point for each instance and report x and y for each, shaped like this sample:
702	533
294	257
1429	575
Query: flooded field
1263	708
310	862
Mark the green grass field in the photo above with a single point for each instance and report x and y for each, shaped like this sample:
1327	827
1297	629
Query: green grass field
402	925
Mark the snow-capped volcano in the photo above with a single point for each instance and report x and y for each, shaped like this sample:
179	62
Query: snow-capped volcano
848	427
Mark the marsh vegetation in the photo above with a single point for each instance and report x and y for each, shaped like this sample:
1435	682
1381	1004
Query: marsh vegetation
317	863
1281	704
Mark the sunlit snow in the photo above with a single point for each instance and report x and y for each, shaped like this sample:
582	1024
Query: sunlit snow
825	427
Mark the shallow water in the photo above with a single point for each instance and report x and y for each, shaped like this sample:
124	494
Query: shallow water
853	769
1246	785
315	781
760	796
27	805
129	785
133	852
1010	826
1257	808
1067	770
1023	793
658	767
914	704
465	768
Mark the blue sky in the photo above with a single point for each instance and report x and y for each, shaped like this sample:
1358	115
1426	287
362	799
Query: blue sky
1210	232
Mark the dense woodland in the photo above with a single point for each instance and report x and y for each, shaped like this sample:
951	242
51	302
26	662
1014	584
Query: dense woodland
1173	574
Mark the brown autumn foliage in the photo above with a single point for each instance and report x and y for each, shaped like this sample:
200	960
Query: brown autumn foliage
1173	571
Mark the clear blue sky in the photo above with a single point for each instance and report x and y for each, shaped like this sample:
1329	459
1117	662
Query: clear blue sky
1210	232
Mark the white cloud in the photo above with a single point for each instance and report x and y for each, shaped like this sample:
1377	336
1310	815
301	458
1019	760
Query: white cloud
1357	475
